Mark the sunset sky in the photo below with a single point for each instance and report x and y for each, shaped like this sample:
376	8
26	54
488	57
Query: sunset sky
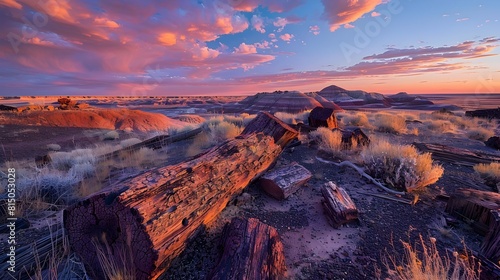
233	47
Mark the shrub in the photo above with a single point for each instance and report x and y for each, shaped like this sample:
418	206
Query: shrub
357	119
328	140
129	142
400	166
479	133
111	135
66	160
441	126
429	264
390	123
223	131
490	173
292	118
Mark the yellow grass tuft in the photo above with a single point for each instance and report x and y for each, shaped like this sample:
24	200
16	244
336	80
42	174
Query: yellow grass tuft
428	264
328	140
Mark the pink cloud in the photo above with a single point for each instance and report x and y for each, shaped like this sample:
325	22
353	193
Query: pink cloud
273	5
287	37
340	13
462	19
375	14
282	22
101	21
348	25
258	24
245	49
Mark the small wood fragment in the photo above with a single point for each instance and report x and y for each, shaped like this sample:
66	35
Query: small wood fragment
339	207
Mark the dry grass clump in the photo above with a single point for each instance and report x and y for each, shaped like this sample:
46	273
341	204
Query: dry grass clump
428	264
390	123
328	140
479	133
490	173
355	119
293	118
442	126
400	166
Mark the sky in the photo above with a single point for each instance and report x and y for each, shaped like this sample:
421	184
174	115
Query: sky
241	47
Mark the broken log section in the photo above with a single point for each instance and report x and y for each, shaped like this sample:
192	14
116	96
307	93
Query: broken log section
475	206
456	155
282	182
252	250
490	248
339	207
151	217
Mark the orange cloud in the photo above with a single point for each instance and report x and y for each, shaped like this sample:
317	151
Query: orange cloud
286	37
167	39
11	3
104	22
340	13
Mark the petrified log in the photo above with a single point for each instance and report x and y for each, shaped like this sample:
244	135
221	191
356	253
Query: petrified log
353	135
7	108
282	182
251	251
339	207
148	219
322	117
456	155
484	113
491	243
475	207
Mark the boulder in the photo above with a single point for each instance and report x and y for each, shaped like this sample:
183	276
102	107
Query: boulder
322	117
493	142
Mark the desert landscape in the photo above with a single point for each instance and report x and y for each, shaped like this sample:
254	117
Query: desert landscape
249	140
402	175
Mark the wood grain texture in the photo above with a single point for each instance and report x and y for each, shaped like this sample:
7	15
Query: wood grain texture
338	205
252	250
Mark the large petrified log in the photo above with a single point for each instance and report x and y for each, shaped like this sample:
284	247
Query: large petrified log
146	221
456	155
474	206
339	207
491	243
322	117
251	251
353	136
282	182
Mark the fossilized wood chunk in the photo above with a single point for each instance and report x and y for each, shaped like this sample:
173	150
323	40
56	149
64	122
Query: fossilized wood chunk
282	182
491	244
251	251
339	207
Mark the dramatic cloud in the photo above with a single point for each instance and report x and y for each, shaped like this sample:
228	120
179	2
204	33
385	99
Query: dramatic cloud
272	5
340	13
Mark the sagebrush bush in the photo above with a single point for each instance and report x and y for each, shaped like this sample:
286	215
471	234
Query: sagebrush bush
391	123
490	173
442	126
328	140
400	166
66	160
111	135
356	119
